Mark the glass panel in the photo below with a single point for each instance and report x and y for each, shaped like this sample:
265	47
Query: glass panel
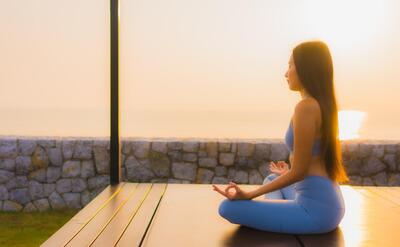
216	68
54	78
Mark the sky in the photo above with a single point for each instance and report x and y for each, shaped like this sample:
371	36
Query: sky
210	68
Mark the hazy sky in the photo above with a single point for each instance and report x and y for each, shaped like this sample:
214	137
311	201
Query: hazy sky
182	58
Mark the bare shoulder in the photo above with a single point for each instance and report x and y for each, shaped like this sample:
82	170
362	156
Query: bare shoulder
308	107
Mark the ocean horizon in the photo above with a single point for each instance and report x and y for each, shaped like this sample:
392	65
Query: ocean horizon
182	123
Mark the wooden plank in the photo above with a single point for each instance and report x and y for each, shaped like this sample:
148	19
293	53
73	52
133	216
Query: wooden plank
113	231
396	187
91	230
388	193
73	226
188	216
140	221
121	215
367	191
369	220
394	192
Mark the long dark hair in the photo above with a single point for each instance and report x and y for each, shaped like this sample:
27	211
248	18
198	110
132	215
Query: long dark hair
314	68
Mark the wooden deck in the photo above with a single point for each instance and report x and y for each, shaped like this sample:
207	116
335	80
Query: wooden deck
145	214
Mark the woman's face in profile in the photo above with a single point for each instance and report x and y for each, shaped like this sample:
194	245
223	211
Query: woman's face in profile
291	76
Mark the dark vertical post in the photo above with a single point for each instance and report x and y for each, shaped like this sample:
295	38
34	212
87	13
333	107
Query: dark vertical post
115	158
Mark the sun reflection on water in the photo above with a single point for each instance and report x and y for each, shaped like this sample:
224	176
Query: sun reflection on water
350	123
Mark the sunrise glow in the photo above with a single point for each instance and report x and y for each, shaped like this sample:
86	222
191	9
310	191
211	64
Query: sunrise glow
350	122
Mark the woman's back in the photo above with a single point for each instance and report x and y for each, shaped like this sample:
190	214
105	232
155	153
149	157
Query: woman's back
317	164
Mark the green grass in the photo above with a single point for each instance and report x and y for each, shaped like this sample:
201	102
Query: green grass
31	229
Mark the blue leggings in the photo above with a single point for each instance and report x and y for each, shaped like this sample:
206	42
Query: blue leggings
310	206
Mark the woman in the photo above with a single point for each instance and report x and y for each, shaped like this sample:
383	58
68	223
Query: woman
306	198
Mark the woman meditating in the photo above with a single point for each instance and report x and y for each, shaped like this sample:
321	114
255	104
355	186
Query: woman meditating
305	199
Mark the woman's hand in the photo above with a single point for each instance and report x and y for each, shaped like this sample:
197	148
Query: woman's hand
238	194
279	168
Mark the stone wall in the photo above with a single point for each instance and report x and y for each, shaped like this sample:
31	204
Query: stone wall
37	174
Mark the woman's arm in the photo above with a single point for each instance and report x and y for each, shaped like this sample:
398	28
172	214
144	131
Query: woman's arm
304	128
279	182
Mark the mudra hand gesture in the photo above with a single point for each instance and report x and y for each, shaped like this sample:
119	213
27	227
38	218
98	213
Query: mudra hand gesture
239	194
279	168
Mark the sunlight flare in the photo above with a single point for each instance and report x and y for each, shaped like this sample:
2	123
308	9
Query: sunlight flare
350	123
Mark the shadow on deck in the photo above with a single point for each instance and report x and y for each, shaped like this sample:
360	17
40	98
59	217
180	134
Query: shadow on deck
158	214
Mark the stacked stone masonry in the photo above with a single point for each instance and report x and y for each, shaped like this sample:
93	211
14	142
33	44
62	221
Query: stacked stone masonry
42	173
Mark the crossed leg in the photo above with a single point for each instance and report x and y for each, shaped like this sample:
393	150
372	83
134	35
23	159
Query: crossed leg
273	215
287	192
279	212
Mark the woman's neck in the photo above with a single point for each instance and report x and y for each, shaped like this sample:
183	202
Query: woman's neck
304	95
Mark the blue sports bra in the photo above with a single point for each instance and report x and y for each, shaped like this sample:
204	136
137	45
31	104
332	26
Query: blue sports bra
289	141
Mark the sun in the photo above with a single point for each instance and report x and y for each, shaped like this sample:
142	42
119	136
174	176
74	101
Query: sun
350	122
